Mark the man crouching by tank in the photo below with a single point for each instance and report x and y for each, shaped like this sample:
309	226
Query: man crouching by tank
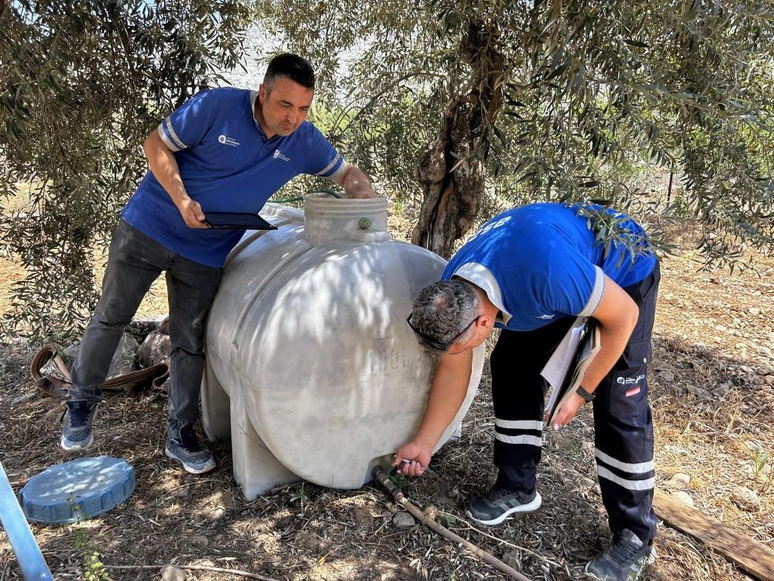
530	272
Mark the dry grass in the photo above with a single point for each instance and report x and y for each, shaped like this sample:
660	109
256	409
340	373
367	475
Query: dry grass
713	408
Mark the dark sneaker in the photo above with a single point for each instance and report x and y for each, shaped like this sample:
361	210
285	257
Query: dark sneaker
187	450
623	559
77	419
499	503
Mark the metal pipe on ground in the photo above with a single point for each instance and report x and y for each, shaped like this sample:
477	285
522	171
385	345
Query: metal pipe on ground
384	479
31	562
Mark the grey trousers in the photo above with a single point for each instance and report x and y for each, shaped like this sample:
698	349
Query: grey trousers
134	262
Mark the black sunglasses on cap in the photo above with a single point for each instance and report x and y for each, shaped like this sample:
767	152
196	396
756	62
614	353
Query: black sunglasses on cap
435	343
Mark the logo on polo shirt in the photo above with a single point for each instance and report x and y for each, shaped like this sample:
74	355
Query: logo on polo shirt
279	155
493	225
546	317
226	140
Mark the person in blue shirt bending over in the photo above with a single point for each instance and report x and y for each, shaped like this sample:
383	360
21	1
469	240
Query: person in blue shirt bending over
531	272
224	150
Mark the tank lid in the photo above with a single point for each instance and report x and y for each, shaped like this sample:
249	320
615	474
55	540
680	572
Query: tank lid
77	490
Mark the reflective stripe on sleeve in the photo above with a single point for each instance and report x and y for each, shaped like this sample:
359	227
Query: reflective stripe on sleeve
596	294
331	165
169	137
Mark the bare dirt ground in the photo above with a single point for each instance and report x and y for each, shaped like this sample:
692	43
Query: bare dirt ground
711	393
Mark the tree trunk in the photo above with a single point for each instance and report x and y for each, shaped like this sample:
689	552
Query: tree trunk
451	170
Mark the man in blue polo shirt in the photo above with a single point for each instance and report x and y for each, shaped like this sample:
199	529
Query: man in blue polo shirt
225	149
531	272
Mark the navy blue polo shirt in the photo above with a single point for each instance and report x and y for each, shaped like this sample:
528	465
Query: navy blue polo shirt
227	164
540	262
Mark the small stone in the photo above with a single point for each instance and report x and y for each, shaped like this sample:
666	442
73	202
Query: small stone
170	573
679	481
765	351
200	541
667	375
445	501
721	389
754	311
403	520
512	559
684	497
746	499
24	398
679	450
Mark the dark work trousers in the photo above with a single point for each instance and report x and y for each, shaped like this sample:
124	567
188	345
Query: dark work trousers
623	426
134	262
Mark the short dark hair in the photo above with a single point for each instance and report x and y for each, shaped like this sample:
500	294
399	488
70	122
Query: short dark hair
442	310
291	66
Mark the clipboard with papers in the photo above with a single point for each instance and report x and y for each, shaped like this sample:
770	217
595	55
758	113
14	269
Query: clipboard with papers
567	367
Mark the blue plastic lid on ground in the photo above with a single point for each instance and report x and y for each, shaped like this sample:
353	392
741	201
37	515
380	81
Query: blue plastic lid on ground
77	490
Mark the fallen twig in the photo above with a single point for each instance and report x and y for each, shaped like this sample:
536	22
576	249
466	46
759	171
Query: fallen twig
511	545
397	494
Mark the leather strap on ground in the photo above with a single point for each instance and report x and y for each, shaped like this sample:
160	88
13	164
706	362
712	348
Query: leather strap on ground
57	383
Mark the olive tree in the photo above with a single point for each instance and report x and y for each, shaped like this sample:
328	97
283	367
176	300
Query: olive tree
82	83
465	104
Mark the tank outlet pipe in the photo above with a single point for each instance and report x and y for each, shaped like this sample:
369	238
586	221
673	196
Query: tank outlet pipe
384	479
33	565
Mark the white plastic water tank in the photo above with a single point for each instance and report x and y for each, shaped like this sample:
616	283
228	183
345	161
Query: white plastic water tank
312	370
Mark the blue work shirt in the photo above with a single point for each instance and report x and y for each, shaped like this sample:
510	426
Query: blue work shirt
227	165
541	262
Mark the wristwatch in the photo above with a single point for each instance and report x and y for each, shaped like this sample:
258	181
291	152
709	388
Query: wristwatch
585	394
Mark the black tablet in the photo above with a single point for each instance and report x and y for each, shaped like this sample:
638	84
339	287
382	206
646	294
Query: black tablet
237	220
